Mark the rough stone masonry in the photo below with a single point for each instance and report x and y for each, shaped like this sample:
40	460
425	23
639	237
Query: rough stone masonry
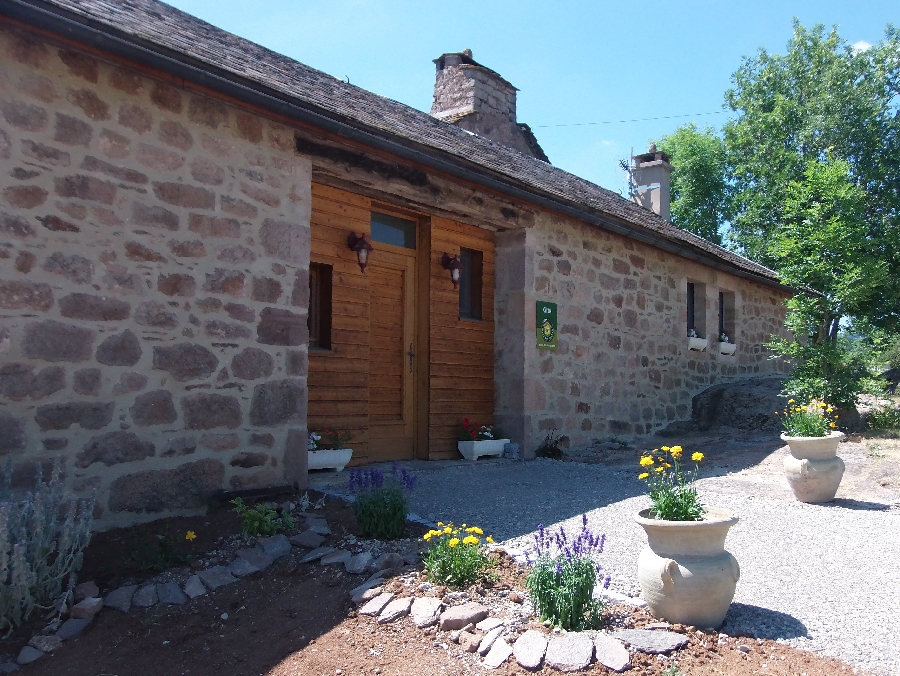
154	251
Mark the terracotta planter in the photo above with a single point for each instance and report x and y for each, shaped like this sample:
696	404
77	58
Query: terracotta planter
813	469
336	458
697	344
686	575
727	348
472	450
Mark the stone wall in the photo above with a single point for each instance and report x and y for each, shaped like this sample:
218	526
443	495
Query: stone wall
622	366
154	252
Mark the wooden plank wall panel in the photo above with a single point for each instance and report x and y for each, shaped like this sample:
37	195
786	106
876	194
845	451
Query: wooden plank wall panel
339	379
462	351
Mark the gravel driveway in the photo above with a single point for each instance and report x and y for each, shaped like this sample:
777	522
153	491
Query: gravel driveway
821	577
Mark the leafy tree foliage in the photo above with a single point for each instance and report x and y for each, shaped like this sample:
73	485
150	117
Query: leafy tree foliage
699	188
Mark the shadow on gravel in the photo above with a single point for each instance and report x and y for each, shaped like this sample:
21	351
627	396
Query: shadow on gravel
849	503
744	619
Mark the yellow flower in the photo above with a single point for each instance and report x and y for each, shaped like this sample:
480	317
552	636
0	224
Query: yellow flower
441	524
667	465
676	451
830	409
646	461
490	539
665	448
697	457
463	526
453	542
821	404
833	425
190	535
475	529
643	475
660	469
470	540
447	530
790	401
427	536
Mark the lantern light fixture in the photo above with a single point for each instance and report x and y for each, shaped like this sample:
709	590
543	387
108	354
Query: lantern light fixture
453	264
361	246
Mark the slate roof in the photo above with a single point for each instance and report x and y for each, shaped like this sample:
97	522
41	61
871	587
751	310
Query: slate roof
153	24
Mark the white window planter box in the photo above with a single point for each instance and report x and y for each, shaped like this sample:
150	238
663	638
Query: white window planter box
472	450
697	344
336	458
727	348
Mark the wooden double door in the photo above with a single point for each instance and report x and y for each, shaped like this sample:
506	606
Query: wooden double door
394	361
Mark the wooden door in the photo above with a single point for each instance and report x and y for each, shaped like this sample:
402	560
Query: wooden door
392	353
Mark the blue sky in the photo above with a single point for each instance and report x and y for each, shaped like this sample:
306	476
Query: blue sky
573	62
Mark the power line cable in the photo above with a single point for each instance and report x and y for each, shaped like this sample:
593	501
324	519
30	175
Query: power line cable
639	119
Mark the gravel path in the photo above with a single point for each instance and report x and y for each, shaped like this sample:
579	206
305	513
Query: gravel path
821	577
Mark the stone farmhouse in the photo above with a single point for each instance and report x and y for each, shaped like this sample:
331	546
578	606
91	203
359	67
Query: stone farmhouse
186	288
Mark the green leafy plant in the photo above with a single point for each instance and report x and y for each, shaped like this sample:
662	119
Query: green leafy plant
875	451
549	448
156	554
563	577
456	556
816	419
673	496
262	519
328	439
884	418
381	504
42	537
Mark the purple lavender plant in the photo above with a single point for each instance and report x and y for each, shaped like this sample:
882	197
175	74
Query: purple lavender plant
563	577
380	503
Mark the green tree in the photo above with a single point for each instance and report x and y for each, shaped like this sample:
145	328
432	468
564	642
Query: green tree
699	187
822	99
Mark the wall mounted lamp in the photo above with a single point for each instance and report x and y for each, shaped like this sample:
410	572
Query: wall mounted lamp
361	246
453	264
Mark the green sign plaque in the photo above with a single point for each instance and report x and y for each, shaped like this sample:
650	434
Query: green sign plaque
546	325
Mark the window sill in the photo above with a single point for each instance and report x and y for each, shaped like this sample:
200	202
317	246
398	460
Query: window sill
320	350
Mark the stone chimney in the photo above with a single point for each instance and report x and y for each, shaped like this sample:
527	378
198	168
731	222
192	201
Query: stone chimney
478	100
651	181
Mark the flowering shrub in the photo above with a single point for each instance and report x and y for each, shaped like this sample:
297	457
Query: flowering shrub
563	576
381	505
723	338
456	556
816	419
472	432
328	440
42	536
672	493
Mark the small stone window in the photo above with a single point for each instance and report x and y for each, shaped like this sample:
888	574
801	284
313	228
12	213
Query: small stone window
470	278
696	309
726	315
319	317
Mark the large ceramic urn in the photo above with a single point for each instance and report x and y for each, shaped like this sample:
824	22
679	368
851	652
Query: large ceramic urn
813	469
686	575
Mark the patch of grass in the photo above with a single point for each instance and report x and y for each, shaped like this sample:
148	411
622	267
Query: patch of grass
875	451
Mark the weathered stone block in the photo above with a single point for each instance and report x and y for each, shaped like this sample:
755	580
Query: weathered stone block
203	411
212	226
252	363
281	327
240	312
114	145
297	362
15	226
208	112
90	415
185	361
135	118
122	349
220	442
187	196
284	240
220	329
80	64
136	251
205	171
238	207
166	97
55	342
113	448
192	249
185	487
266	289
158	158
17	381
122	173
225	281
176	285
154	217
12	434
93	308
25	196
152	313
86	188
153	408
22	295
75	268
24	116
236	254
57	224
175	134
248	460
130	382
266	440
87	381
278	402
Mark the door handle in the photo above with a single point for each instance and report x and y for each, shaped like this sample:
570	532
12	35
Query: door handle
411	354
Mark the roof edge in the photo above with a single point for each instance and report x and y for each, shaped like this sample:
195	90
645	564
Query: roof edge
147	53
